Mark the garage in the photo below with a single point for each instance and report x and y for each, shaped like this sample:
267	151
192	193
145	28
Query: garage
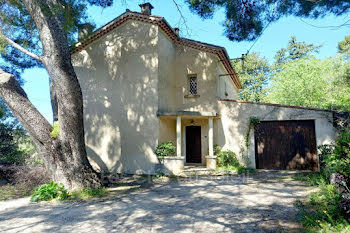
286	145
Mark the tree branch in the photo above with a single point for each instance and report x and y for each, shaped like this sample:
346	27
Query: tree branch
16	98
182	18
20	48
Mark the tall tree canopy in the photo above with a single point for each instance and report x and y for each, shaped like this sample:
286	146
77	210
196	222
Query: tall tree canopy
299	78
246	19
344	47
311	82
295	50
253	73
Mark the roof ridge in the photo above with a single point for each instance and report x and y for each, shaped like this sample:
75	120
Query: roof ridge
164	25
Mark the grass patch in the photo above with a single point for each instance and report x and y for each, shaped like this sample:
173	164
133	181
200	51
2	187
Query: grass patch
85	194
239	169
9	191
53	191
322	211
163	177
313	179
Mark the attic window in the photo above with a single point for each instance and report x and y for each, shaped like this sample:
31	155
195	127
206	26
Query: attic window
193	85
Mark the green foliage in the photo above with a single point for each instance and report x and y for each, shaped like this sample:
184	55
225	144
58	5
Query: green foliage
314	179
344	47
295	50
217	149
8	148
246	20
159	175
253	121
227	161
254	74
311	82
322	211
48	192
297	78
15	144
3	44
165	149
87	193
244	170
227	158
339	160
55	130
53	191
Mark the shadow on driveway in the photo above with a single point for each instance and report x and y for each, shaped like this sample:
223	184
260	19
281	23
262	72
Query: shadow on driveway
262	202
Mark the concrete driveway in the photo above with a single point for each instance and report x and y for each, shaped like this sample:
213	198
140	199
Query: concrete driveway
262	202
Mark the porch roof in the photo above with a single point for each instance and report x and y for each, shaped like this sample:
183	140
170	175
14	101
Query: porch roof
188	113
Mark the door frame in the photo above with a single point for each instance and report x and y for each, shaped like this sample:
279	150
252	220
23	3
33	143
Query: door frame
185	142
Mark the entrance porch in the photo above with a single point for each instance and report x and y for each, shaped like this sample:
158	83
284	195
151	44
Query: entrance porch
193	135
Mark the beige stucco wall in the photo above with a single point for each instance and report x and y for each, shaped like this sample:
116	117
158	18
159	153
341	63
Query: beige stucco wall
231	128
118	76
166	73
176	63
226	89
167	129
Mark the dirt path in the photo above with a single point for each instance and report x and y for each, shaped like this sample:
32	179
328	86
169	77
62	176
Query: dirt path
262	202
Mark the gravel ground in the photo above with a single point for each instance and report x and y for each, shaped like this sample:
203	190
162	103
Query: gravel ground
262	202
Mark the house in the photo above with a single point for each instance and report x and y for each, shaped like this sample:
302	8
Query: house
143	84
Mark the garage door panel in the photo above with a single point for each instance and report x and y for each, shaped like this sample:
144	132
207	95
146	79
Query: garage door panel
286	145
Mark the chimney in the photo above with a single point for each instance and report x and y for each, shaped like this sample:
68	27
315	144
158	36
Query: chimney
177	31
85	30
146	8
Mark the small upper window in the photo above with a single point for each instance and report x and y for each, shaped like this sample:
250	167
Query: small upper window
193	85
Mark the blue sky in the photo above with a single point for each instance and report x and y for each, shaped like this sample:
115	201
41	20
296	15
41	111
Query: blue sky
276	36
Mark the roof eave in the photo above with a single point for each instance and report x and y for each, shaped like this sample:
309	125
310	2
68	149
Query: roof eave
219	51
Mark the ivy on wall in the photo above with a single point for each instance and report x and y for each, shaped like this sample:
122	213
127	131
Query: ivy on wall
253	121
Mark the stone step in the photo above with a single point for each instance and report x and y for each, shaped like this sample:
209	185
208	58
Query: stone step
197	171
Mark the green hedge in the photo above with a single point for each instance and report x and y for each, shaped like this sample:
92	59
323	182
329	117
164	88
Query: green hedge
165	149
227	158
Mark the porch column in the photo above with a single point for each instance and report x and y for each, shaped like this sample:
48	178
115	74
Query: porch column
178	136
211	136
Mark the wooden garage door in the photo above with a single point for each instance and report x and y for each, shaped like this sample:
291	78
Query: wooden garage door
286	145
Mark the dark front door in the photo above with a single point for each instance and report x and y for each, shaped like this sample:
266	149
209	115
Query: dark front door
193	144
286	145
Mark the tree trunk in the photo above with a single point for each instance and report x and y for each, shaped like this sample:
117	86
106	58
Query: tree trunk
65	157
57	154
54	104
